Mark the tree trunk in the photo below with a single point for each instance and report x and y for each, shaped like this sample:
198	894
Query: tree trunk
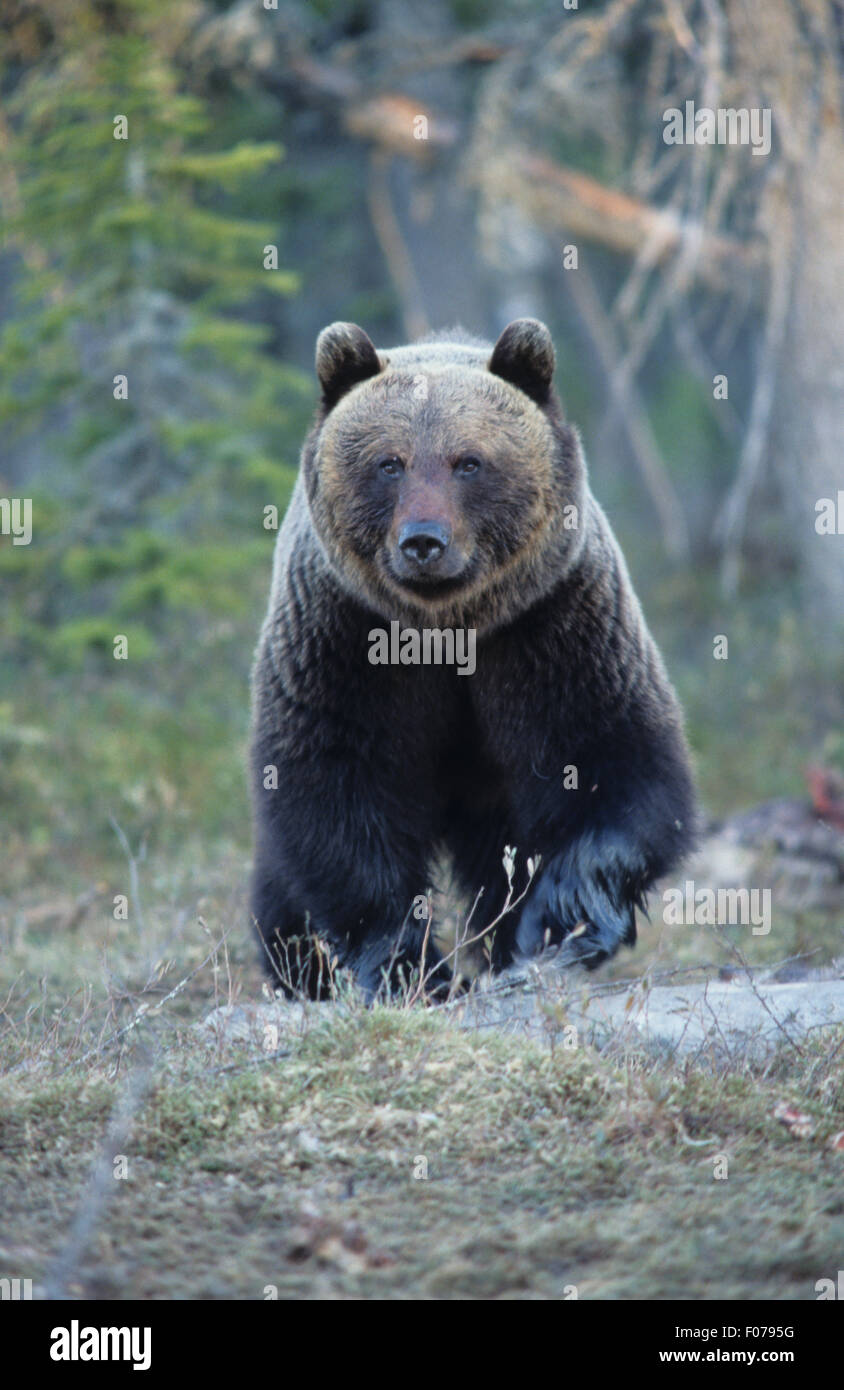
792	56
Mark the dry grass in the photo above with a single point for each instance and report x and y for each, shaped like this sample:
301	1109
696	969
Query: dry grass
547	1169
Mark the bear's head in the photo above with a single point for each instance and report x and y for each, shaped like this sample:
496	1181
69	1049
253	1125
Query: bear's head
441	477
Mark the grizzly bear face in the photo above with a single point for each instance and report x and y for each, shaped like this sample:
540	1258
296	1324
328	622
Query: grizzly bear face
435	471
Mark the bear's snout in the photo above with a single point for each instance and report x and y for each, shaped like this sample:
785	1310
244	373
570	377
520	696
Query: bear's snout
424	542
425	555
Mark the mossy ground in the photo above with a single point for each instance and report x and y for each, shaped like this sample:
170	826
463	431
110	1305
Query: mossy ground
548	1170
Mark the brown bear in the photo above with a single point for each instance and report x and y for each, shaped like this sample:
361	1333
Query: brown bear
442	491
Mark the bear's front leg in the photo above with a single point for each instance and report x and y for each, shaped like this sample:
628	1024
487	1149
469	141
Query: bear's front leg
604	846
341	853
331	891
607	810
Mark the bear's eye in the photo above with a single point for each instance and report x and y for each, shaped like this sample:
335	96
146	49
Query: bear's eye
392	466
467	463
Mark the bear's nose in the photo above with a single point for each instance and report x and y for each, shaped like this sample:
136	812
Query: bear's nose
423	541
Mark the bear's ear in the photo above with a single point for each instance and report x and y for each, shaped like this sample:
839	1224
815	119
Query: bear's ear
524	356
344	356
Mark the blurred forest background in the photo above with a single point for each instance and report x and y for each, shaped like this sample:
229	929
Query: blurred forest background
415	165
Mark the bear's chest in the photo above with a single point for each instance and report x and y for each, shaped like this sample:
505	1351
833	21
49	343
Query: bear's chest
448	739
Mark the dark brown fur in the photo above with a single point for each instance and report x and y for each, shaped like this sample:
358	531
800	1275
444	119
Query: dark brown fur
379	765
